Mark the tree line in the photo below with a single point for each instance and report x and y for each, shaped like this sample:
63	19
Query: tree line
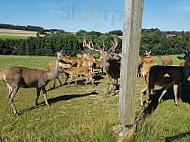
151	39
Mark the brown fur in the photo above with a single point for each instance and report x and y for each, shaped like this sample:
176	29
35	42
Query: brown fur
167	76
182	64
166	61
99	64
88	62
16	77
75	71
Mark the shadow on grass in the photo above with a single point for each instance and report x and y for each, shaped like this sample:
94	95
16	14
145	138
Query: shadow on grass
69	97
169	95
177	137
154	104
79	82
58	99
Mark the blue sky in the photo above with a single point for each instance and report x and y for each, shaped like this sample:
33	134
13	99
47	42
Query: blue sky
98	15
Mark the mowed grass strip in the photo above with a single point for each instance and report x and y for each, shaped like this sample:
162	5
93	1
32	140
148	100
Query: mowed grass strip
82	113
16	34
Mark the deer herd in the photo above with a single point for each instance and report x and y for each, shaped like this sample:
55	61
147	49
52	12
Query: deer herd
83	65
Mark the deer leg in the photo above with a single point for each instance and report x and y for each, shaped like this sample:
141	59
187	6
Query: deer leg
163	93
54	83
13	108
102	71
38	90
175	93
86	80
66	78
59	81
75	80
70	80
45	96
141	94
10	91
180	92
92	80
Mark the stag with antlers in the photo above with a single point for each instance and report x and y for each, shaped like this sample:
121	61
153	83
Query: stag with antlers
111	63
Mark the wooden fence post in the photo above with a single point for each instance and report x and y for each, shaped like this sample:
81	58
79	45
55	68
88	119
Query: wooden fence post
130	52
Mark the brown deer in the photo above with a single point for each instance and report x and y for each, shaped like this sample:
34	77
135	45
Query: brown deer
76	71
167	76
166	61
16	77
147	62
74	61
99	64
51	66
182	64
111	63
144	62
89	61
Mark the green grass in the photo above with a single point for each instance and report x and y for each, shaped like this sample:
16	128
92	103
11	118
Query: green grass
82	113
13	37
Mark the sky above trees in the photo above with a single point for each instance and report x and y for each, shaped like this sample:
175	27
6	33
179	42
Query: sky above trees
94	15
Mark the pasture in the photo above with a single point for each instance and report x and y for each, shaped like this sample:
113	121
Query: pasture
16	34
84	113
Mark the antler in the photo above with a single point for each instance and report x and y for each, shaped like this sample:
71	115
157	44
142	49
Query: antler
90	46
114	44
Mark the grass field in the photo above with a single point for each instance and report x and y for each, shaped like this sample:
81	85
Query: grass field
16	34
83	113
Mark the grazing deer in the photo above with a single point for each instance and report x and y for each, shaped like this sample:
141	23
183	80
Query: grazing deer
166	61
167	76
16	77
75	71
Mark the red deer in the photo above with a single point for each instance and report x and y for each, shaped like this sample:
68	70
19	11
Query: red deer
99	64
166	61
51	66
111	63
167	76
16	77
147	62
142	63
75	71
74	61
89	61
182	64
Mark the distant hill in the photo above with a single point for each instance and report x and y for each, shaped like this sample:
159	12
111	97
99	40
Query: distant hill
38	29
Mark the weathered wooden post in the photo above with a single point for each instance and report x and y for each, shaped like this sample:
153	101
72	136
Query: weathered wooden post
130	51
